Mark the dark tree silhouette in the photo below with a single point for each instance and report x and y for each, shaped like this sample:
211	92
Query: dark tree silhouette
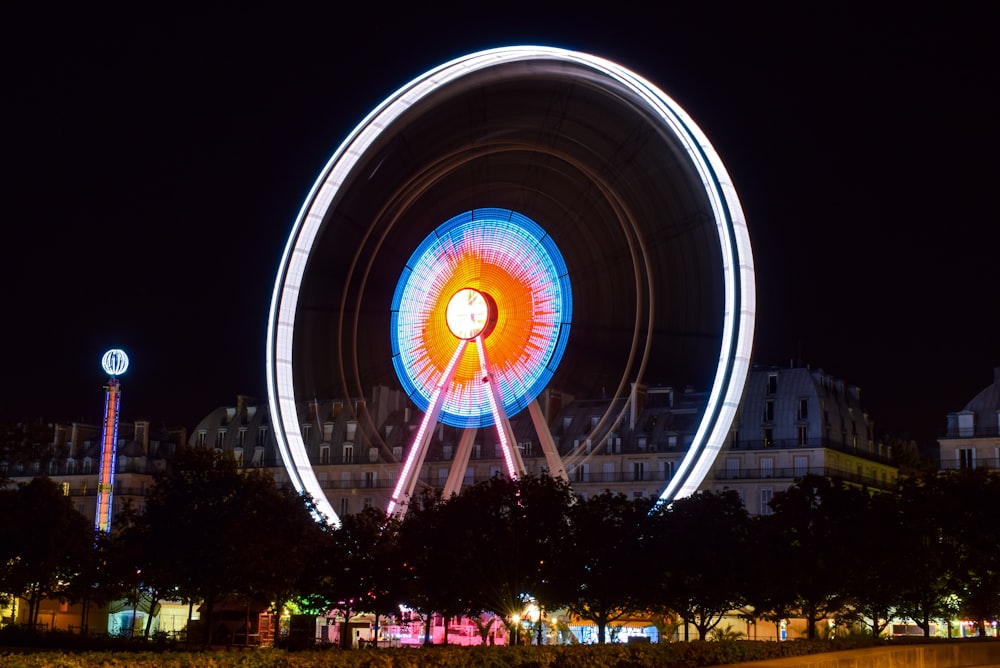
702	540
44	542
596	557
813	523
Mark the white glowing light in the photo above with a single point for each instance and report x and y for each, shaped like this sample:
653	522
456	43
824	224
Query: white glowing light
468	313
115	362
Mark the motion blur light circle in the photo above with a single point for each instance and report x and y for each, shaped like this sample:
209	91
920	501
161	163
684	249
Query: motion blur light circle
644	214
115	362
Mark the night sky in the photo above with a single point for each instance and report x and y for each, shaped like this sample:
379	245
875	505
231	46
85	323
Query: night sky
155	163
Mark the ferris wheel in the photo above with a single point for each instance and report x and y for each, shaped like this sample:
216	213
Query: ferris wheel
518	219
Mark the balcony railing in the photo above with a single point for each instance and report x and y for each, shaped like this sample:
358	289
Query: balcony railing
987	463
783	474
817	442
979	431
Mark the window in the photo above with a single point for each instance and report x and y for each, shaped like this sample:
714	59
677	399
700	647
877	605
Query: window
470	476
767	468
772	383
65	488
343	506
348	453
446	451
238	456
966	458
966	424
803	409
220	438
769	410
800	466
258	456
477	450
765	501
667	469
581	473
327	431
369	479
324	454
638	470
397	452
732	469
261	435
202	435
372	455
768	437
803	435
241	437
306	430
608	472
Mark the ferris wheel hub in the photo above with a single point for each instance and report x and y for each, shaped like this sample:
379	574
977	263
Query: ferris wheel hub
471	313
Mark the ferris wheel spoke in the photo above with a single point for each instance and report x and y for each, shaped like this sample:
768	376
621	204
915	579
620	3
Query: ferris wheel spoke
511	455
418	450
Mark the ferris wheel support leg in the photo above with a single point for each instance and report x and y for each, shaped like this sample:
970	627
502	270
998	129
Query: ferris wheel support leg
552	459
415	457
457	472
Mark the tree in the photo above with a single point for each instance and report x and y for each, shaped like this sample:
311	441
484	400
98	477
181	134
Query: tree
873	560
357	568
596	558
44	542
426	560
924	573
508	534
213	532
973	533
702	545
813	524
771	592
95	583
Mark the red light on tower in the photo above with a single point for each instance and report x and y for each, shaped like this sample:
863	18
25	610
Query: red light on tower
115	363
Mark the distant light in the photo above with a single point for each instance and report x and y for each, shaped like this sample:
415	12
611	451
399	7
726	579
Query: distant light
115	362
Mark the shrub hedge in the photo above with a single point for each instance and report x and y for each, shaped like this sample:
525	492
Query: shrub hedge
669	655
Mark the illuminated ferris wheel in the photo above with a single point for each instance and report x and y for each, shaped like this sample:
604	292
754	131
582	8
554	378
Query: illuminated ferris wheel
514	220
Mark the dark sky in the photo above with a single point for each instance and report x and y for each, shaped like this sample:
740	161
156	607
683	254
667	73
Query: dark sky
155	162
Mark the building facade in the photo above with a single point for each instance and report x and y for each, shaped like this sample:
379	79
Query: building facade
972	438
792	422
797	421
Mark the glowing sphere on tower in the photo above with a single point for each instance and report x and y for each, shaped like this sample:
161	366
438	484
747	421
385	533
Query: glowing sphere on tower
115	362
